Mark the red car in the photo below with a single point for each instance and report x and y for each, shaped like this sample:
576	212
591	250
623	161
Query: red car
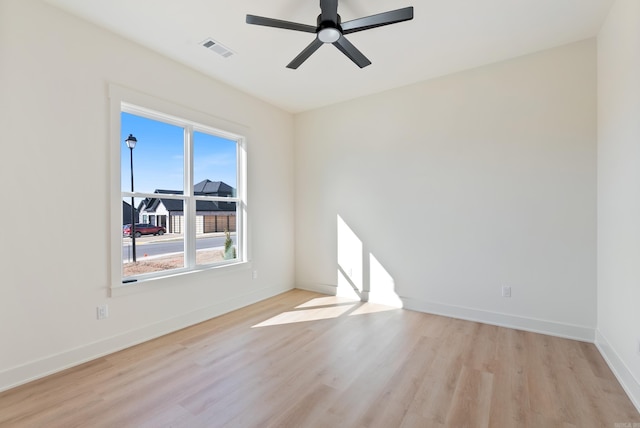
143	229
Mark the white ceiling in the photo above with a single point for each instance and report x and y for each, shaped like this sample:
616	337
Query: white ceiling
445	36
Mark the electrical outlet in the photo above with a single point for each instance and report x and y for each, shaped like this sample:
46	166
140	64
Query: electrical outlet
102	312
255	274
506	291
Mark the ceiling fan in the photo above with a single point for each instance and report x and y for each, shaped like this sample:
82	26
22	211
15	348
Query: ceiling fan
330	29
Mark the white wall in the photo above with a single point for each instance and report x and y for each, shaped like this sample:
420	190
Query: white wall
54	169
619	193
458	186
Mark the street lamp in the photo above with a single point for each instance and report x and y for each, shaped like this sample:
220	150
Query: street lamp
131	143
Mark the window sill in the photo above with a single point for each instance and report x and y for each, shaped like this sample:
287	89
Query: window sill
149	284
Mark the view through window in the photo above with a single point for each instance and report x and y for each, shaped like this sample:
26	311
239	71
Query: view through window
180	198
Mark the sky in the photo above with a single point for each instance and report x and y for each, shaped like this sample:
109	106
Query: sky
158	156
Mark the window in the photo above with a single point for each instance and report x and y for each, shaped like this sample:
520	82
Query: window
182	193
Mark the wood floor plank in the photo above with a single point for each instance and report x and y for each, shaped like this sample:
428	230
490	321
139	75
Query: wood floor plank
471	399
509	399
307	360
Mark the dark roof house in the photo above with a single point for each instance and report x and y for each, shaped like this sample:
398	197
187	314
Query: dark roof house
203	188
213	188
126	214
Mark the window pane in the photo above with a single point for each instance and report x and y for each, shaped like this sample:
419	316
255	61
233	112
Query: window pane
158	155
159	240
215	174
216	233
214	165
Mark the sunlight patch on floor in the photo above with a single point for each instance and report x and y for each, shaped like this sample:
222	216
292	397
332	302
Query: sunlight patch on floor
311	314
324	308
326	301
372	308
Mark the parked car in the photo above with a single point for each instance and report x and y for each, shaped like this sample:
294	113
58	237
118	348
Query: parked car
143	229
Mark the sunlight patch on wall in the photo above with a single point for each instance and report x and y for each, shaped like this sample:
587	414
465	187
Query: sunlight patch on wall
360	274
350	266
346	288
382	285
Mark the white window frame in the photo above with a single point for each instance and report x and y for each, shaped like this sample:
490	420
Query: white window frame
125	100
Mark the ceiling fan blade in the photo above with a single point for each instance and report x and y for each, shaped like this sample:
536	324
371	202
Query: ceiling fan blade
351	52
278	23
378	20
329	10
306	53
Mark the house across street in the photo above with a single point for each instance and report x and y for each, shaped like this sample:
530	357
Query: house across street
211	216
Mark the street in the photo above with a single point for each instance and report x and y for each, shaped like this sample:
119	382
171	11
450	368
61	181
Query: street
154	245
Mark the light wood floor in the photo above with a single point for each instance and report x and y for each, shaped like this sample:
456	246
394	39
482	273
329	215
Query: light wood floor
308	360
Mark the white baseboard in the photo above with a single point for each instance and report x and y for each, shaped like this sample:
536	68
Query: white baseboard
629	383
33	370
552	328
569	331
319	288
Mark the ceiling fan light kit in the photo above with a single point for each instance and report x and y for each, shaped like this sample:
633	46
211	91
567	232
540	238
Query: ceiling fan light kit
329	35
331	30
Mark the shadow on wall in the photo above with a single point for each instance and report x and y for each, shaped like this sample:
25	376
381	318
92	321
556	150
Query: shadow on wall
360	274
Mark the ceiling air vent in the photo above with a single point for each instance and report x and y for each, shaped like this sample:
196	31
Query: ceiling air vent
218	48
